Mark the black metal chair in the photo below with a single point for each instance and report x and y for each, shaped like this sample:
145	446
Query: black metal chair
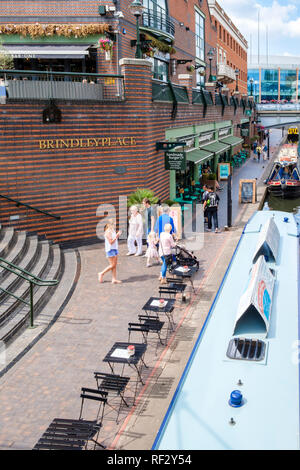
174	287
101	397
68	434
138	327
153	323
112	384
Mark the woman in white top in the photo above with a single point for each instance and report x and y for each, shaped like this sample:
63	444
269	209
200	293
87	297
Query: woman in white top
166	243
135	232
111	249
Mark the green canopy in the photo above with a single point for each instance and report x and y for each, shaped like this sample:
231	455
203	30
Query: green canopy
198	155
216	147
232	140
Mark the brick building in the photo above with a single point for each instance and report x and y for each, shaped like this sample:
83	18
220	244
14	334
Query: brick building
231	49
80	125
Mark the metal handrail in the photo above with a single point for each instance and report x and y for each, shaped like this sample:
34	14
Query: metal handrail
158	20
67	74
29	277
19	203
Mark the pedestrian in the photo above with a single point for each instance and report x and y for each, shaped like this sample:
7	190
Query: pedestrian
163	219
265	150
149	215
111	249
211	203
152	253
205	192
135	233
258	149
166	243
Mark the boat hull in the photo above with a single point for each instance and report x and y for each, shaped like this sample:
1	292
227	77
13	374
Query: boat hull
285	191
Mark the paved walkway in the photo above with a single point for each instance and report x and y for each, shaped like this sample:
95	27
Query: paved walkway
46	382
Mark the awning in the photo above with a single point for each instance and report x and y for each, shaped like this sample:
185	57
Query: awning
198	155
47	52
232	140
216	147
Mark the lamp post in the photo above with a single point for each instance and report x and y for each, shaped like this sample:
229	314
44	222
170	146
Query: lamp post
237	72
251	86
137	8
210	56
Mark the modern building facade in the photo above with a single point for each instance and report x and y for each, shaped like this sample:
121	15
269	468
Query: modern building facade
231	50
86	122
274	78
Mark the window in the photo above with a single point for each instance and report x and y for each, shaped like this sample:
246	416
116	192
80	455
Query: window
199	31
160	69
220	32
246	349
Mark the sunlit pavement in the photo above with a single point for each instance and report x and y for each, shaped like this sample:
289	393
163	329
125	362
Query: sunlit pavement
46	383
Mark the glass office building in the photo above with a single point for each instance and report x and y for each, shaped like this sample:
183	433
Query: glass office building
274	78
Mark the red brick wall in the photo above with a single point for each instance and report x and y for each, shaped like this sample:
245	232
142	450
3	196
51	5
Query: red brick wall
73	182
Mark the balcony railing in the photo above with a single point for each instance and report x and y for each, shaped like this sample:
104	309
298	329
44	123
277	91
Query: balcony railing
225	73
158	20
36	85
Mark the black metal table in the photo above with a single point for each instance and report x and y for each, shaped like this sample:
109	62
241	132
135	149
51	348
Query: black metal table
131	361
177	271
166	309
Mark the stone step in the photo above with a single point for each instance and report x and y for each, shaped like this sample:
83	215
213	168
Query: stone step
16	253
11	280
8	240
9	304
20	318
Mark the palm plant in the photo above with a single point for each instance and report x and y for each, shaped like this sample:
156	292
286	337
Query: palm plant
137	197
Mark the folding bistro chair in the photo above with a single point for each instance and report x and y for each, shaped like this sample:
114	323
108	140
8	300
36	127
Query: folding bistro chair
101	397
153	323
67	434
112	384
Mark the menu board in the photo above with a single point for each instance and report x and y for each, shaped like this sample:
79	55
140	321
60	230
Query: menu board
247	191
223	171
175	161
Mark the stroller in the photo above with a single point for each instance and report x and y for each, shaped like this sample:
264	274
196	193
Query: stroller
181	257
185	257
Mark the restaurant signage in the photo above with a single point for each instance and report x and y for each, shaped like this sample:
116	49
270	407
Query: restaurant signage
206	138
225	132
175	161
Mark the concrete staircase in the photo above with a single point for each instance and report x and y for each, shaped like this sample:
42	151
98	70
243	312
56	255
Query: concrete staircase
43	259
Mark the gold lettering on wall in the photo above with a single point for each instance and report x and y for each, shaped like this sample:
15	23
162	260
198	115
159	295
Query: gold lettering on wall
87	142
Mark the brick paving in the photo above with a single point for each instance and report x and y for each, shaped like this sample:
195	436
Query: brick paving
46	383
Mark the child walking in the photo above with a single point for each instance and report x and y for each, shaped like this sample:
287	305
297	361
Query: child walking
152	253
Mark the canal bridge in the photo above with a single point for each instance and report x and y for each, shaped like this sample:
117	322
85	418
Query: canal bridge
278	115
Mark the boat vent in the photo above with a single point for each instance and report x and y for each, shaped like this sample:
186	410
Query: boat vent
246	349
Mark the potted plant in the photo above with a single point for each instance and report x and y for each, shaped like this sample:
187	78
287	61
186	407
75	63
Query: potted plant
136	198
210	179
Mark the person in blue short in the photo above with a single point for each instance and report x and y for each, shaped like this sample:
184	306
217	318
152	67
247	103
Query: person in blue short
111	249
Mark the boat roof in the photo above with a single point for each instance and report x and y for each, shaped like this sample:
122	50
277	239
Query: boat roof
199	415
288	153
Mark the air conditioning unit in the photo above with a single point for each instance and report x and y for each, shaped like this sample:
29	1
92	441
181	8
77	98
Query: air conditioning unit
110	8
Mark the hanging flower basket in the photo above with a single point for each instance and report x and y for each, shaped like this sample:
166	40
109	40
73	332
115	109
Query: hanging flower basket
106	45
190	68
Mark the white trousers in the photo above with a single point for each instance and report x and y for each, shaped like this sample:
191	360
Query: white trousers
131	246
